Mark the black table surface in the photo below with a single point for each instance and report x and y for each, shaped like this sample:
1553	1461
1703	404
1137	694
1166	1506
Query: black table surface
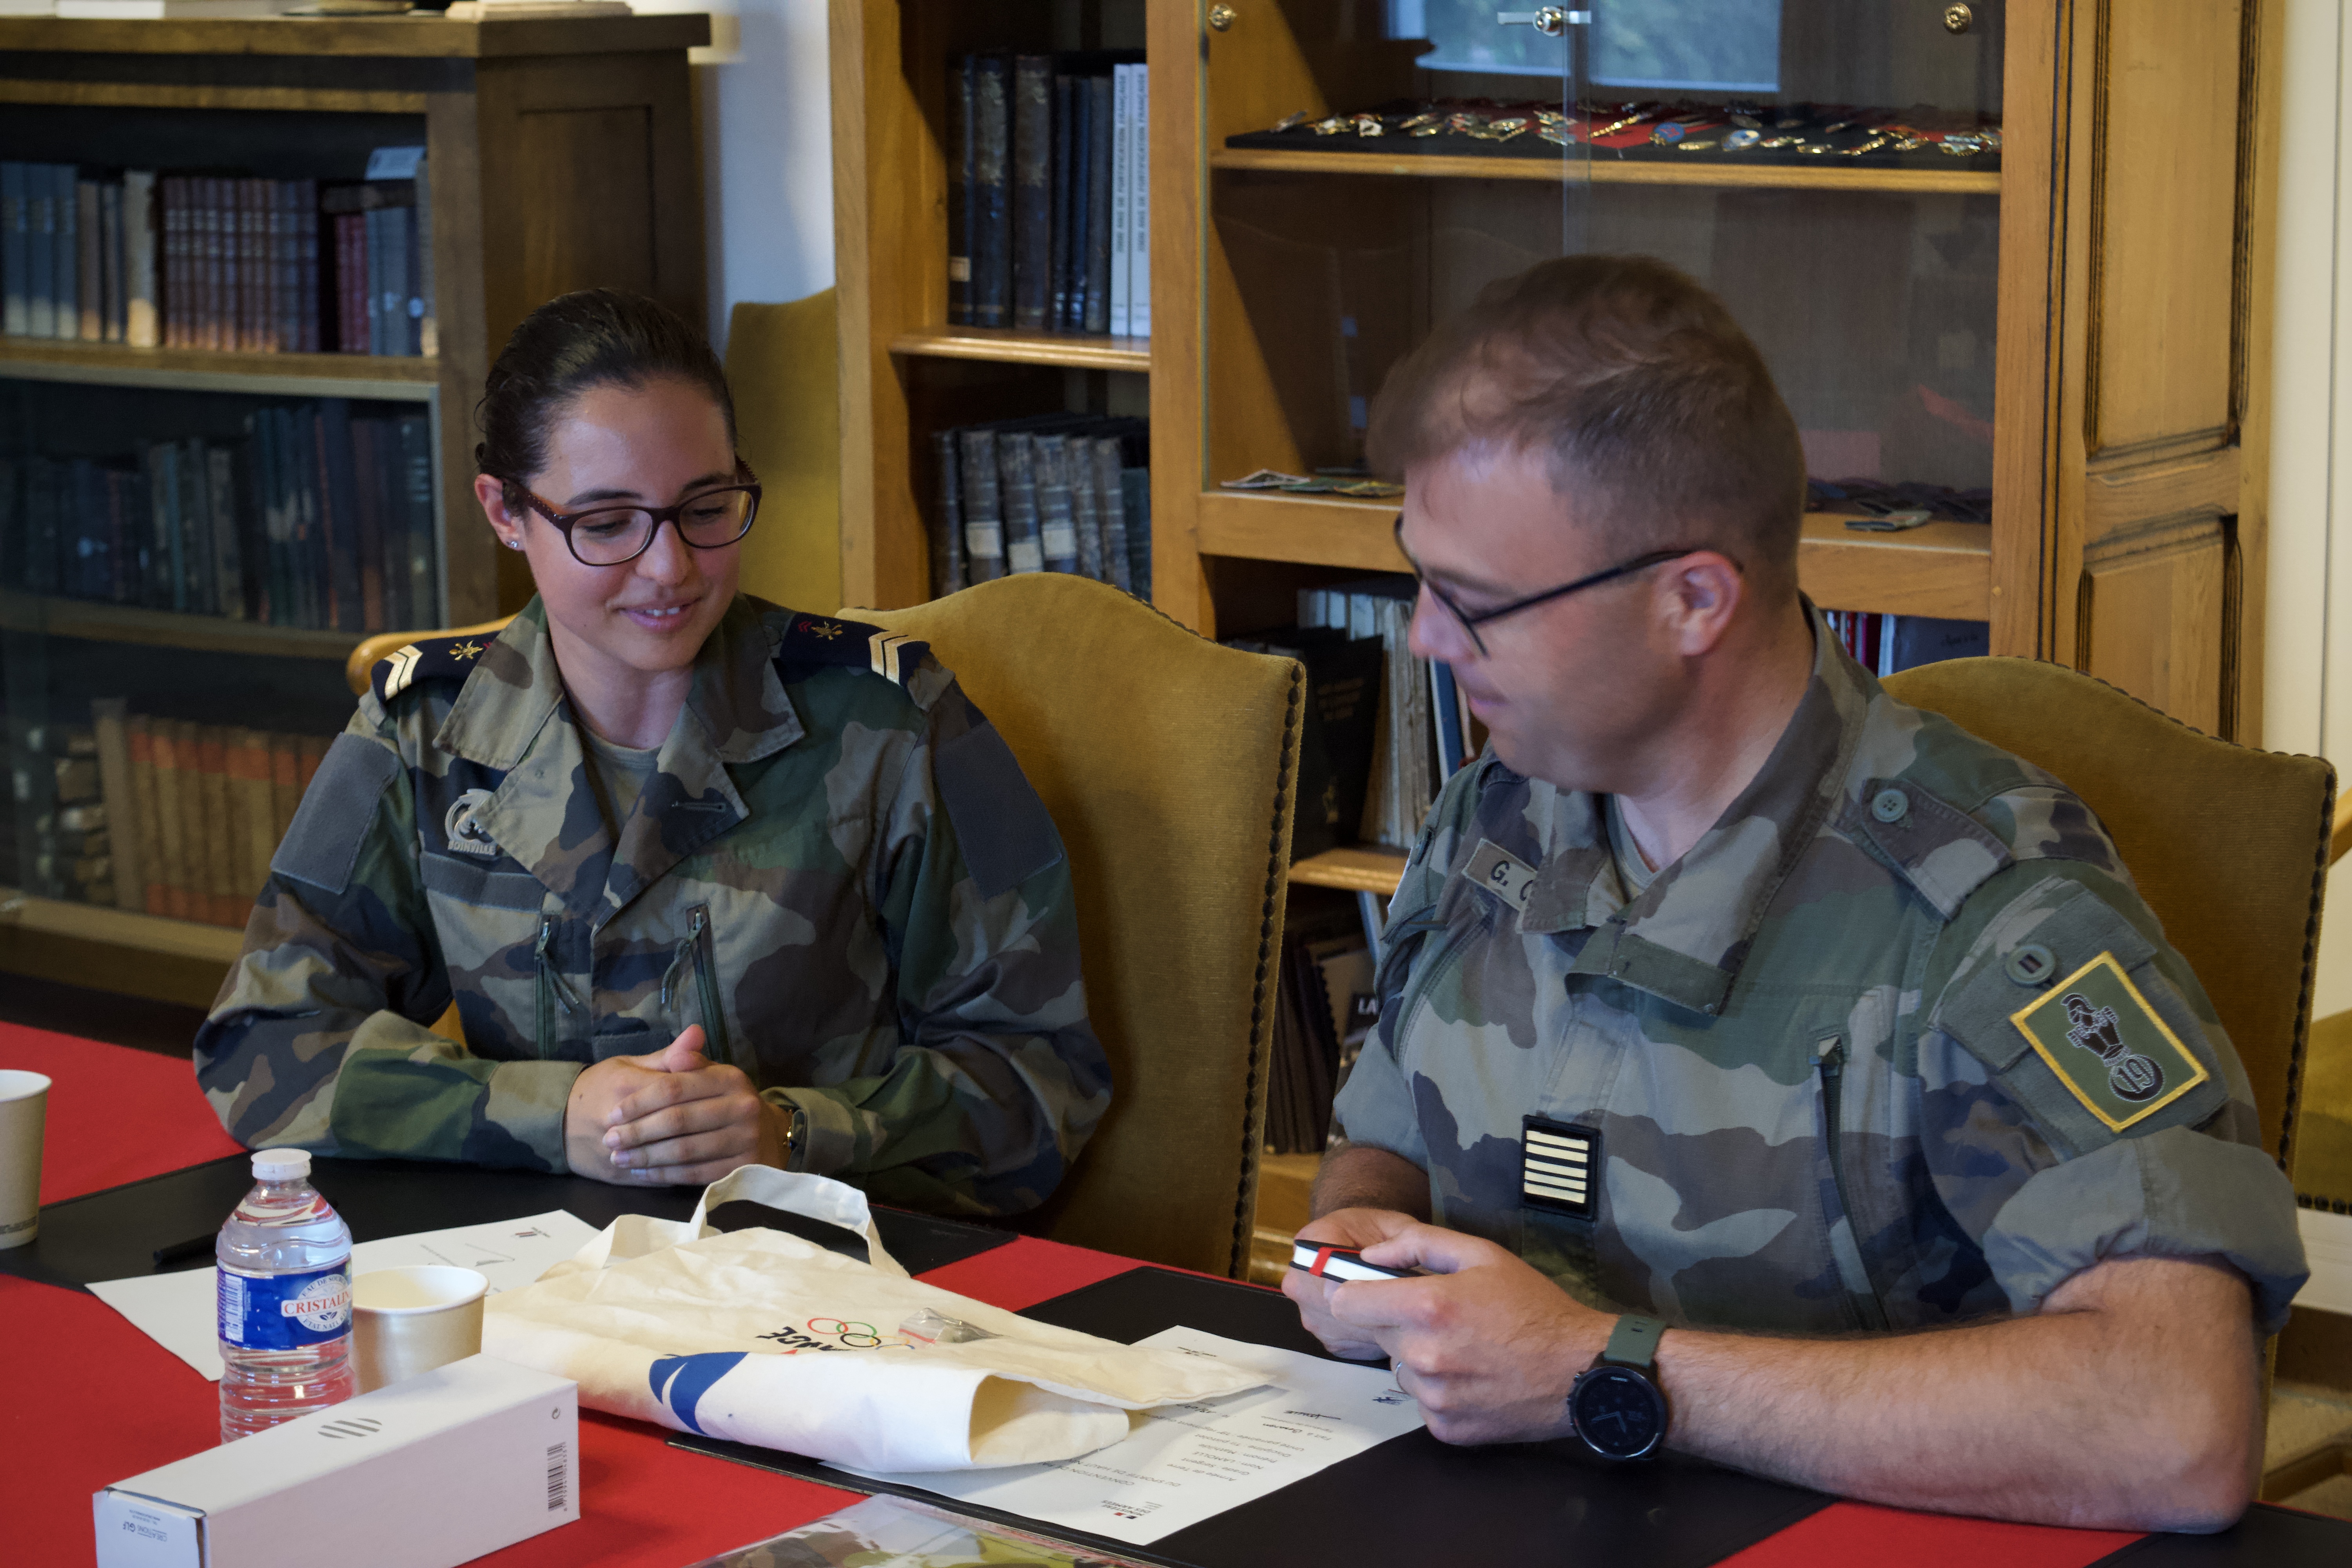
115	1233
1536	1503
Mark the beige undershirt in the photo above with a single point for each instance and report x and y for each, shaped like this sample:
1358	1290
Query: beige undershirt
1632	869
618	775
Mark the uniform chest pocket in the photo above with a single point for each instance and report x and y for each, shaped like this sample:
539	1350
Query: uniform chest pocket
696	963
1432	981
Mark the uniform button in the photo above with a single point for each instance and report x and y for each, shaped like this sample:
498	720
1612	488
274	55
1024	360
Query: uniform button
1890	804
2032	964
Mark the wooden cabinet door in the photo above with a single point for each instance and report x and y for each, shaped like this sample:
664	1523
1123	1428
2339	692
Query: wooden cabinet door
2151	107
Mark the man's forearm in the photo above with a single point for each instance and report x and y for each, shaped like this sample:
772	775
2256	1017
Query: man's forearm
2130	1401
1360	1178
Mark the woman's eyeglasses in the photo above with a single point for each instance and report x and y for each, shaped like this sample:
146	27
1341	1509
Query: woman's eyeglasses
613	535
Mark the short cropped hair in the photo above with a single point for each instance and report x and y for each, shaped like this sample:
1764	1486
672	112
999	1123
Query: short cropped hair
1657	413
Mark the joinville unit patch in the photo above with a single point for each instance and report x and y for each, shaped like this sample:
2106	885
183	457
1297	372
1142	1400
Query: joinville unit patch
2107	1046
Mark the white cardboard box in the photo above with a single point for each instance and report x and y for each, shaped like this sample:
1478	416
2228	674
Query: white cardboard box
432	1472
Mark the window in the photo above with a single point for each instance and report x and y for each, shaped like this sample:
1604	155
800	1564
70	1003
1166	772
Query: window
1707	45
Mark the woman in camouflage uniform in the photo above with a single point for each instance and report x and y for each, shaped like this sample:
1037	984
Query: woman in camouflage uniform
710	882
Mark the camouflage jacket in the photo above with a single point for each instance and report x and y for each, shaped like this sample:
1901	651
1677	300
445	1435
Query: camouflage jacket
1787	1087
836	868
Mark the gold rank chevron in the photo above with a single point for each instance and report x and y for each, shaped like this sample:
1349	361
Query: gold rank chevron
404	662
885	647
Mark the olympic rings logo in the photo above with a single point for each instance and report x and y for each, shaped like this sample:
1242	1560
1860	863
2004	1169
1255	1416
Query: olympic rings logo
833	1334
856	1336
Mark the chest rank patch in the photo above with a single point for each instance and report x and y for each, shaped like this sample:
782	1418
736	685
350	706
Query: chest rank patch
1556	1165
2107	1046
1501	873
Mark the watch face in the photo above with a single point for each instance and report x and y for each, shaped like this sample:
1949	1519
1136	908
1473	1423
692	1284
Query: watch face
1618	1412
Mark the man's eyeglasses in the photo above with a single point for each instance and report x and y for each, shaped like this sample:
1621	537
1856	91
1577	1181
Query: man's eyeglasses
1472	621
613	535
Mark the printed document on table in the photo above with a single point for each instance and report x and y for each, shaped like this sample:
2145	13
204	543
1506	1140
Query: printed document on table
1185	1463
179	1310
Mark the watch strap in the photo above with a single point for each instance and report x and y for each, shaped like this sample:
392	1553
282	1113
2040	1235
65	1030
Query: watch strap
1633	1341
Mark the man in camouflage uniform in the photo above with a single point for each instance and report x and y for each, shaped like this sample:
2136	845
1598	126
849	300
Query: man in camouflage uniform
1726	990
834	872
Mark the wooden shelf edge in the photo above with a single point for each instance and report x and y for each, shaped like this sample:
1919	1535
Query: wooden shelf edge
382	376
120	928
1352	867
1943	570
423	36
91	621
1005	346
1760	176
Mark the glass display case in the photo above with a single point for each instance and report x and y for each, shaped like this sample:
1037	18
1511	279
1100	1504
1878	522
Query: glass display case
1830	168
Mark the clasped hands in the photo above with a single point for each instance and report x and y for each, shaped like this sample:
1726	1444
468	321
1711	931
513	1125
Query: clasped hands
671	1118
1486	1345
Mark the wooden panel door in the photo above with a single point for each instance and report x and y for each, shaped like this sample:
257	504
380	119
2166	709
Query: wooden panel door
2152	154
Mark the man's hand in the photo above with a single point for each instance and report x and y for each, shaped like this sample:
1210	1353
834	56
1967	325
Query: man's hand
1355	1228
669	1117
1486	1345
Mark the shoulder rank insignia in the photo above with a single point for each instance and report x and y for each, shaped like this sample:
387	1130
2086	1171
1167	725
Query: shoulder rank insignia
832	640
432	659
2107	1046
1501	873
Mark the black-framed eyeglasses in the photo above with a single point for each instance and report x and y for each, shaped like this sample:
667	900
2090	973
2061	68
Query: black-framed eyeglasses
1471	623
710	518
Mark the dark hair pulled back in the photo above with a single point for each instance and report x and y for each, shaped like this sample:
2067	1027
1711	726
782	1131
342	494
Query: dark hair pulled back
574	342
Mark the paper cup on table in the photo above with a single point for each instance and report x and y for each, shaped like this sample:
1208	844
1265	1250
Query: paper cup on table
411	1319
24	1104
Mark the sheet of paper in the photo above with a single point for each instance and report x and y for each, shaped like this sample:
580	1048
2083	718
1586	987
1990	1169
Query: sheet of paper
1186	1463
178	1311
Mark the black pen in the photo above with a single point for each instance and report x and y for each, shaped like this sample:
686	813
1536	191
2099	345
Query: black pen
181	1252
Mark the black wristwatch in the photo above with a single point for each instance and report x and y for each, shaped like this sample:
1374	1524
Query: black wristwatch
1616	1406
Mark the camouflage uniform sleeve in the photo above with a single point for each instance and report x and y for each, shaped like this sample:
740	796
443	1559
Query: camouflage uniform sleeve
319	1038
2022	1142
997	1078
1375	1108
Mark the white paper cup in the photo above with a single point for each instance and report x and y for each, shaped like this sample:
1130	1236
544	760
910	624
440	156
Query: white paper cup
411	1319
24	1104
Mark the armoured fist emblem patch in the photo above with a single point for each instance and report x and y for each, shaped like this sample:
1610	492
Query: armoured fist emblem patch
2130	1075
2096	1015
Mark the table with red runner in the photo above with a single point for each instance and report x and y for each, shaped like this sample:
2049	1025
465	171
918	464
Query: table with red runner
96	1400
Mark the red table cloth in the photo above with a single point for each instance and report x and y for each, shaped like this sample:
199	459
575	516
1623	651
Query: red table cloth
96	1400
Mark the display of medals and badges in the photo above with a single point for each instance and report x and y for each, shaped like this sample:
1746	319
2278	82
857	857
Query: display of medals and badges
1919	137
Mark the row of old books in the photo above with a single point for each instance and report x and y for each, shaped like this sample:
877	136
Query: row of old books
318	519
228	263
1325	1007
1055	492
154	814
1384	730
1049	204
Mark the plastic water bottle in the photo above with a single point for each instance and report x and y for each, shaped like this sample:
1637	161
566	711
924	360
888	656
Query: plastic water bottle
285	1276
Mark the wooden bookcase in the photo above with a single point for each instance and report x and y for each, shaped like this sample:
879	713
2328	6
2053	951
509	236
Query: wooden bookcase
564	155
2129	366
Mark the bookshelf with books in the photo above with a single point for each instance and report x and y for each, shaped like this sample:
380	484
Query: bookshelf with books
2010	263
255	271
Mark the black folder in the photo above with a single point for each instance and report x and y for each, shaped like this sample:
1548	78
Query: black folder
1412	1498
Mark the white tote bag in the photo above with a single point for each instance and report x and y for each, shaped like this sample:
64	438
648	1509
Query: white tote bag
763	1338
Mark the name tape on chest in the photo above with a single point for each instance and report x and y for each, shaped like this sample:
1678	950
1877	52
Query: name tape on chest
1557	1165
2107	1046
1501	873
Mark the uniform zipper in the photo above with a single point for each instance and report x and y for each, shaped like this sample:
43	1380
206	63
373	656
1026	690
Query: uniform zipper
552	991
697	947
1832	1063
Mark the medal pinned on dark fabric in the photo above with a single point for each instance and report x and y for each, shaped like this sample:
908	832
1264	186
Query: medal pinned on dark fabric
1556	1161
2107	1046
